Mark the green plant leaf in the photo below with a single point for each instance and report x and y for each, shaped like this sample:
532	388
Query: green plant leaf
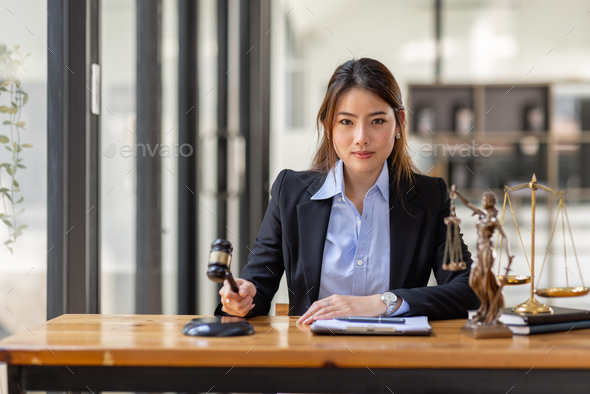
4	190
20	124
21	211
16	47
8	147
24	226
7	242
22	166
3	89
26	98
10	198
15	183
27	145
20	200
11	252
4	109
4	139
6	122
13	110
9	170
6	222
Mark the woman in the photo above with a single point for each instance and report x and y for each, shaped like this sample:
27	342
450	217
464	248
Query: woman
359	233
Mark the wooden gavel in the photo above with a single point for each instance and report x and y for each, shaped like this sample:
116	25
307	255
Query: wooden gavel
219	261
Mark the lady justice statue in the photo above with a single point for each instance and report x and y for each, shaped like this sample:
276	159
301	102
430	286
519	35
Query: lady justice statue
485	323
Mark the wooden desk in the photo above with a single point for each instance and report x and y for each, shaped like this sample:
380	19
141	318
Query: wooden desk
149	353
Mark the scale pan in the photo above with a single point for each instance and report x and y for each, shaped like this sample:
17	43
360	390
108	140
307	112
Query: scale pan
513	280
455	266
563	291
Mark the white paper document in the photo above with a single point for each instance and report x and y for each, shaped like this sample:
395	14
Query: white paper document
417	325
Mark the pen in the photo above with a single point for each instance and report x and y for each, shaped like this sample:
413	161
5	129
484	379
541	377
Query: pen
353	319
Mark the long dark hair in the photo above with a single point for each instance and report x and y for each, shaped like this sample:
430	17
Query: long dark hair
371	75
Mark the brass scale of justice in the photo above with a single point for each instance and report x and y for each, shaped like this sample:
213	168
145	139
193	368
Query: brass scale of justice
531	306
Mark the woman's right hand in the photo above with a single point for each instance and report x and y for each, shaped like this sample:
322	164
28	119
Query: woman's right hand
237	304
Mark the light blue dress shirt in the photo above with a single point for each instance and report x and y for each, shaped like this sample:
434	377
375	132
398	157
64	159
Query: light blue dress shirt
356	251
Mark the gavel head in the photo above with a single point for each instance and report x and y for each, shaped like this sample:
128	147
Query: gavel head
219	260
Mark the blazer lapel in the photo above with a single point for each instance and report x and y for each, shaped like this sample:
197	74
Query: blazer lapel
313	217
403	234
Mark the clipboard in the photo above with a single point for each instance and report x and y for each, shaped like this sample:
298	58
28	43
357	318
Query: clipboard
417	325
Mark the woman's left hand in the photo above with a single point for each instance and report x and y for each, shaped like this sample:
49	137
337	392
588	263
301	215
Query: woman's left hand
344	306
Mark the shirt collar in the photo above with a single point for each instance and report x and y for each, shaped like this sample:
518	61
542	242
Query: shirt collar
334	183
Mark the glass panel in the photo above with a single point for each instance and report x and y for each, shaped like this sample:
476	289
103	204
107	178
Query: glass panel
23	181
118	37
513	40
207	58
118	54
170	160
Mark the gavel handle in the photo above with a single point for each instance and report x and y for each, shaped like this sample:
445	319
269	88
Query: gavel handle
232	283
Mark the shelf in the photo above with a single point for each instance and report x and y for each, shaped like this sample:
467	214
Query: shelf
499	115
494	107
502	137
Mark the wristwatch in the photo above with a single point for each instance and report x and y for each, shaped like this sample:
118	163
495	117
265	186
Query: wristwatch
390	301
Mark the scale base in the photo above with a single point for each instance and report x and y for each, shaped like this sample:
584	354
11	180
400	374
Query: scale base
532	306
481	331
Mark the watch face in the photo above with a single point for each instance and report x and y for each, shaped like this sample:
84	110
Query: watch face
389	297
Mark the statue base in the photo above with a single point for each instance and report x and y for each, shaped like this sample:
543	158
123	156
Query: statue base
479	331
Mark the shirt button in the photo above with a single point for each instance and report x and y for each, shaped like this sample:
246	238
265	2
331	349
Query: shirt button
360	262
339	199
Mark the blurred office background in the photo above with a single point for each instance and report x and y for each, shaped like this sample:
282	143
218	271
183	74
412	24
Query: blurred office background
511	73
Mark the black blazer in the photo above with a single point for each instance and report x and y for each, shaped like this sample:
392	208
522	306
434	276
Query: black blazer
293	233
